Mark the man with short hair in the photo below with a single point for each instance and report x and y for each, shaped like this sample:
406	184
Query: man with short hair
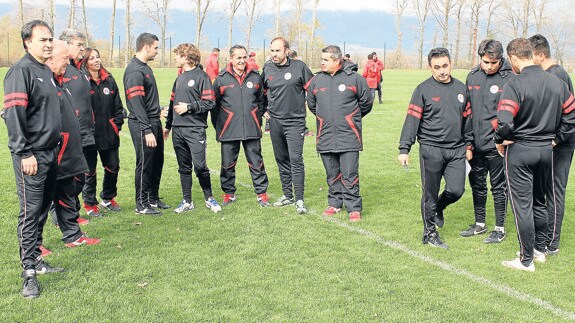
438	117
535	113
252	64
32	116
339	98
562	153
192	98
380	68
237	118
212	66
484	84
145	126
285	81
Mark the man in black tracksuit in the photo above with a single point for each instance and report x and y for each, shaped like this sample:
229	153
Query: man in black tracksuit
339	98
535	113
145	126
438	116
484	85
32	116
237	119
192	98
285	80
562	152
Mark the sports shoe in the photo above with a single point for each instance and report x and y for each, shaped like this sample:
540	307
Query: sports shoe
495	236
331	211
184	206
551	251
213	205
439	219
354	216
300	207
309	134
264	200
283	201
30	286
92	210
148	211
516	264
43	267
228	199
45	252
473	230
158	204
83	240
434	241
538	256
82	221
111	205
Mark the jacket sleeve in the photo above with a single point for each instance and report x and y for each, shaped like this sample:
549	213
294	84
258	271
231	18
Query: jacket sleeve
118	106
310	97
170	117
364	96
412	121
567	126
506	112
307	75
261	98
15	104
265	99
134	85
217	104
207	97
466	125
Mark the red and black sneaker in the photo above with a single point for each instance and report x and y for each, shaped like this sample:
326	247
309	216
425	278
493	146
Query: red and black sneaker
91	210
354	216
83	240
331	211
228	199
45	252
111	205
264	200
82	221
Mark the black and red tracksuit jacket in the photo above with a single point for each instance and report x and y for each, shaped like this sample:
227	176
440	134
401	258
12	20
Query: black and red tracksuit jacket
562	74
71	160
285	88
438	115
193	87
31	107
339	102
483	91
108	111
239	107
535	107
141	94
78	83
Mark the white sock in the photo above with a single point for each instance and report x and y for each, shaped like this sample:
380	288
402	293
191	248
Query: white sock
501	229
480	224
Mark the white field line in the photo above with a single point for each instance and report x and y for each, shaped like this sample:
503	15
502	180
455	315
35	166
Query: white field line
432	261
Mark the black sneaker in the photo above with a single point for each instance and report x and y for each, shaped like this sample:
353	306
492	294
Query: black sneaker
495	236
158	204
434	240
551	252
42	267
473	230
148	211
30	286
439	220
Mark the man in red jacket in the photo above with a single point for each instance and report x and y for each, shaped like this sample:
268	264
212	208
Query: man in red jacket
212	67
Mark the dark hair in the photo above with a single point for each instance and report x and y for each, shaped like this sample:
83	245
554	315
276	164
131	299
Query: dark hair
286	43
237	47
216	50
347	56
28	28
436	53
189	51
521	48
370	56
145	39
334	51
292	54
490	47
84	61
540	45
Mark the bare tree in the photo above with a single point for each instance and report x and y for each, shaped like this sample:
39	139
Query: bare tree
21	13
112	32
277	18
128	27
559	31
422	8
400	6
512	19
538	11
460	5
492	6
85	21
72	16
253	13
441	10
52	14
201	12
313	27
157	11
476	6
234	5
298	18
525	13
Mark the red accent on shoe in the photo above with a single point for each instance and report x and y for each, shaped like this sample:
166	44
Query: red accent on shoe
263	197
45	252
82	221
229	198
354	216
114	203
83	240
330	211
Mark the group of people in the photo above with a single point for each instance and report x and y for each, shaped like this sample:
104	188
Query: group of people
513	120
63	109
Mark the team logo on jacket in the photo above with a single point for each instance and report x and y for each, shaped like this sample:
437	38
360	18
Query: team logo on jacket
341	87
106	91
287	76
250	85
460	97
494	89
191	83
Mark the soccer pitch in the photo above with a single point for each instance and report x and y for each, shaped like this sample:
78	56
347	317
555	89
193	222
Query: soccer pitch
247	263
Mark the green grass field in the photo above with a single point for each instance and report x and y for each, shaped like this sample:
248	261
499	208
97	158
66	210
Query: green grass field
253	264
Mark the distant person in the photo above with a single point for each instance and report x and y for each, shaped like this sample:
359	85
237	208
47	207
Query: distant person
438	118
562	153
212	65
347	58
371	74
237	118
252	64
380	68
342	97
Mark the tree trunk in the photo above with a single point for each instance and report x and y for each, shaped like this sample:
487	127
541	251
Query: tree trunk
277	18
112	32
87	41
71	21
21	4
128	23
52	15
312	36
461	4
422	8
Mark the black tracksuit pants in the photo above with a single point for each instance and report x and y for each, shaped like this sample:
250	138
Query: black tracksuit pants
35	194
253	151
528	173
67	207
288	137
190	148
110	159
437	163
149	163
562	157
342	170
483	163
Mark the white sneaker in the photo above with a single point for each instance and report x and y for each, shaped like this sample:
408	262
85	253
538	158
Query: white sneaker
184	206
300	207
213	205
538	256
283	201
516	264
